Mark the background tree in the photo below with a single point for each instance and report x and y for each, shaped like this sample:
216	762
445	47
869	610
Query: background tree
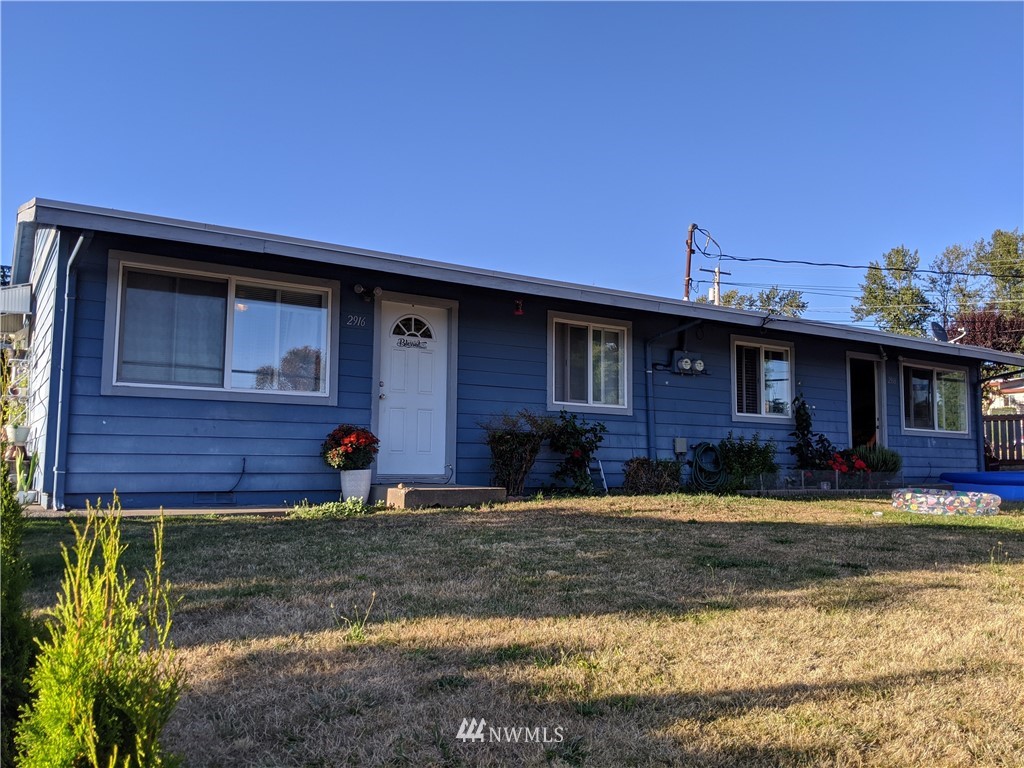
893	296
954	287
992	329
996	319
1002	259
776	300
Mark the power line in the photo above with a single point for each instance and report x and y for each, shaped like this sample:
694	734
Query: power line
802	262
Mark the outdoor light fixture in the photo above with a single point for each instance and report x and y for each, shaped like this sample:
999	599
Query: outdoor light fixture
366	293
687	363
517	308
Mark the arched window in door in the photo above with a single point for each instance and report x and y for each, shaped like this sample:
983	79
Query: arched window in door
412	326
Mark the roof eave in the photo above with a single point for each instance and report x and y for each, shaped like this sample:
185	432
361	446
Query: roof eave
50	212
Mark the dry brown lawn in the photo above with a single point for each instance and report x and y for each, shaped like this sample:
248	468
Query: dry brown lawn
673	630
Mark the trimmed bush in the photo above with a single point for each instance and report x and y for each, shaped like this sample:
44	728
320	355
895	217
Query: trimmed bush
515	440
746	459
107	680
644	476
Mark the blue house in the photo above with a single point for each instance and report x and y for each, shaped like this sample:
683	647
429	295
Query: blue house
189	365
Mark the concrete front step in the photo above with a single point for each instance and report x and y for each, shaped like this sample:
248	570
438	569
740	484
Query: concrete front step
414	495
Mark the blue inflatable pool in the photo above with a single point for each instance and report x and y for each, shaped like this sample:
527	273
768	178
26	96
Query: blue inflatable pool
1009	486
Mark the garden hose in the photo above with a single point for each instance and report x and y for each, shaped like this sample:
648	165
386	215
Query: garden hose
707	473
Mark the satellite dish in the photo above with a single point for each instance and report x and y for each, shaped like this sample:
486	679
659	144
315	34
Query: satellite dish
939	333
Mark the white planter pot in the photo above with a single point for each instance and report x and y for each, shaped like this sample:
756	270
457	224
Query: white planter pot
17	435
27	497
355	482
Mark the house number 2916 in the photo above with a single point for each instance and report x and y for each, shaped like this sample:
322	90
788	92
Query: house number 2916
357	321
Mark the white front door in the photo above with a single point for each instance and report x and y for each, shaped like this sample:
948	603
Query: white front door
413	389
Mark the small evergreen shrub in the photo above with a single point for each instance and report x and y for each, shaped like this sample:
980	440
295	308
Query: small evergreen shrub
579	441
515	440
333	510
879	458
17	630
644	476
107	680
746	459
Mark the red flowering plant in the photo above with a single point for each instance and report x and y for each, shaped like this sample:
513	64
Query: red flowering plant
848	461
348	447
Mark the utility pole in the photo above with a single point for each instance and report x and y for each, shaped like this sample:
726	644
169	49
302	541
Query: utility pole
716	286
689	255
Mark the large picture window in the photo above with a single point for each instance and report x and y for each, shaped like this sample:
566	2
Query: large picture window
220	332
589	363
934	399
763	380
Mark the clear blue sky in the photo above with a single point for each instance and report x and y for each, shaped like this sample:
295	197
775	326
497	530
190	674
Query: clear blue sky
570	141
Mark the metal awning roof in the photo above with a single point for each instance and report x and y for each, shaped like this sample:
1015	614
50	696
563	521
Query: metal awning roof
15	306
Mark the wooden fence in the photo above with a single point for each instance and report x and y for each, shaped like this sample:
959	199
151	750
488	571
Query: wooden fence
1006	436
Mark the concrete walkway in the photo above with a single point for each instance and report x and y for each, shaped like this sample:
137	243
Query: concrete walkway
38	512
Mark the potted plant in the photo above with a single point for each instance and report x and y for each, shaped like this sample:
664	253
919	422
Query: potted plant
351	450
25	472
14	415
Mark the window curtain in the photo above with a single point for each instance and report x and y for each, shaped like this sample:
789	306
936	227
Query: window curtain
172	329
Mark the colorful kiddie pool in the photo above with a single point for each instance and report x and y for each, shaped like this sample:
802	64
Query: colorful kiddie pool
933	501
1007	485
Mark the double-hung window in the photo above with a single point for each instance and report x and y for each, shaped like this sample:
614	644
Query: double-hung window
588	363
763	379
934	399
209	331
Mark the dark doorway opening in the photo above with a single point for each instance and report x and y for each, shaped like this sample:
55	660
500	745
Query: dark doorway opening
864	420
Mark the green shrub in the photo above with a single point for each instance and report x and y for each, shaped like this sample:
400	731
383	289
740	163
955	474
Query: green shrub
745	459
107	680
579	441
17	630
812	450
644	476
333	510
879	458
515	440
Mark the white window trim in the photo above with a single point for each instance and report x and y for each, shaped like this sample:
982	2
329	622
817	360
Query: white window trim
934	368
626	328
120	261
779	346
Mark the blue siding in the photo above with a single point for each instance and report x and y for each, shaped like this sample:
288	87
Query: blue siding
925	457
165	451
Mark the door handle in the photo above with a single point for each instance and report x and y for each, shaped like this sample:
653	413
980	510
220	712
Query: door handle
381	396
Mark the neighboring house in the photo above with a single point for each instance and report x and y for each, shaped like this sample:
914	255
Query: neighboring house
1007	397
186	364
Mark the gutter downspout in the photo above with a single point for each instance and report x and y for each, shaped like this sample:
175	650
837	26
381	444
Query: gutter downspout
649	370
66	344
